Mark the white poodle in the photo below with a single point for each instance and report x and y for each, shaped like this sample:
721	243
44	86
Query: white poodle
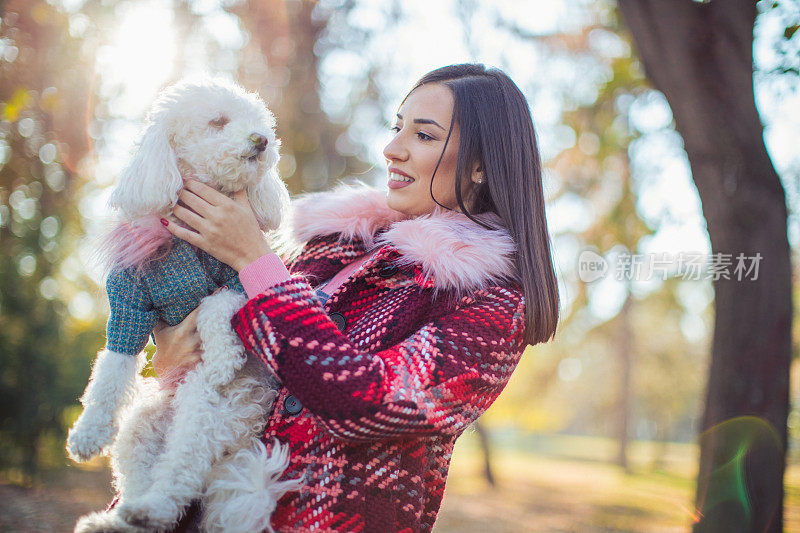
201	439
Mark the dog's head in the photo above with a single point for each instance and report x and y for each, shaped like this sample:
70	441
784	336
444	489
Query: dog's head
213	131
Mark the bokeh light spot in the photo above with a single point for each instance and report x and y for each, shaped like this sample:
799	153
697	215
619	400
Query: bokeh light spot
47	153
48	288
26	127
49	227
569	369
26	264
55	178
81	306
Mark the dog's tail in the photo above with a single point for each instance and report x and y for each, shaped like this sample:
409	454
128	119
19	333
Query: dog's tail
133	244
244	490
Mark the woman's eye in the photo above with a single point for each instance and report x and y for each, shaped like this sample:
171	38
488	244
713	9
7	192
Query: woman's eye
219	122
424	136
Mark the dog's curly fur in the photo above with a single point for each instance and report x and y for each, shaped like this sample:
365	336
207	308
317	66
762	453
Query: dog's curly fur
199	440
202	130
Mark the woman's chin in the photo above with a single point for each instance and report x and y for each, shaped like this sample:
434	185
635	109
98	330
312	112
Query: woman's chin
393	201
408	205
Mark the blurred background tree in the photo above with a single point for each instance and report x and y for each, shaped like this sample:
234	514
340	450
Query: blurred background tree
281	62
617	338
700	56
45	90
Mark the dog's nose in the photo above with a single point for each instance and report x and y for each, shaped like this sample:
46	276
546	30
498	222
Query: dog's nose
260	141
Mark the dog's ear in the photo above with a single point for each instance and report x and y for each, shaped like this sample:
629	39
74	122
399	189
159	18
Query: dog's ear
269	199
150	183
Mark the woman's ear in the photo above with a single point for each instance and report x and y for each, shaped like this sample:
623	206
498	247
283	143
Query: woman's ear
477	173
269	199
150	183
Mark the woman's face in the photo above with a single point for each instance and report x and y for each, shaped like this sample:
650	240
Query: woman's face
420	132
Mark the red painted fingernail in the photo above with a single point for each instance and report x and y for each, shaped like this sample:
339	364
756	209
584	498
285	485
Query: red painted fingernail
164	221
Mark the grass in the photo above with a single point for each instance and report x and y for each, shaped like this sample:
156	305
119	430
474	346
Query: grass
567	484
553	484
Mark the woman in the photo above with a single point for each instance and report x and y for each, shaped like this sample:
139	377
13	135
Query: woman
404	315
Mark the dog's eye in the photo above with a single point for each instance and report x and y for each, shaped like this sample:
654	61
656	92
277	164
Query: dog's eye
219	122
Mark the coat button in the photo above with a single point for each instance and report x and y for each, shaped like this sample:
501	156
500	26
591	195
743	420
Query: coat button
292	405
388	271
339	320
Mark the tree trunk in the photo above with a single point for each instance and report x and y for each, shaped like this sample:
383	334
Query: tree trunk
483	435
625	391
282	64
700	56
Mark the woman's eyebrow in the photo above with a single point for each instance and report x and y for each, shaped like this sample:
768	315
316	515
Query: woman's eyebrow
424	121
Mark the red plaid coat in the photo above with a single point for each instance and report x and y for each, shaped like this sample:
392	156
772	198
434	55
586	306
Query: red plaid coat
380	381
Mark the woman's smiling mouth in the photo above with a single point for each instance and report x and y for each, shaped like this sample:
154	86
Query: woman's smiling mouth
398	180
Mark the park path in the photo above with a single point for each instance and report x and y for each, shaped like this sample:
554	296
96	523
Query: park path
54	503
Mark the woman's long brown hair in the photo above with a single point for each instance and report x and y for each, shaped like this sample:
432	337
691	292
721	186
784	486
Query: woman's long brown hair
496	132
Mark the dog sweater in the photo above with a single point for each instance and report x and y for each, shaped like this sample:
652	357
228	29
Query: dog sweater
168	288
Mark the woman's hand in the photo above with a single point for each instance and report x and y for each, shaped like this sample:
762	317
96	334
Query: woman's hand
177	347
225	228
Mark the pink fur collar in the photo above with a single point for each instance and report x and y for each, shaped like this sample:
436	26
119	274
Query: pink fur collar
453	251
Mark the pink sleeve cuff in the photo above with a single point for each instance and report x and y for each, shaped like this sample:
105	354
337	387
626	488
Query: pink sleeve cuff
264	272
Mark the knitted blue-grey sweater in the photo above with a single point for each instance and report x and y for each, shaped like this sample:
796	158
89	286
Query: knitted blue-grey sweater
168	288
322	296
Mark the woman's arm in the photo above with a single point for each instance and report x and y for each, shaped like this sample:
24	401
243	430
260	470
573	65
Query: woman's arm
437	381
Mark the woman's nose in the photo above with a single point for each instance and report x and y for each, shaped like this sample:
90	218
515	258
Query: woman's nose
395	150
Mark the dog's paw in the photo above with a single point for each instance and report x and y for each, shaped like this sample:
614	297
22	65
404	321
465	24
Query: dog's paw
85	441
82	447
104	522
153	513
